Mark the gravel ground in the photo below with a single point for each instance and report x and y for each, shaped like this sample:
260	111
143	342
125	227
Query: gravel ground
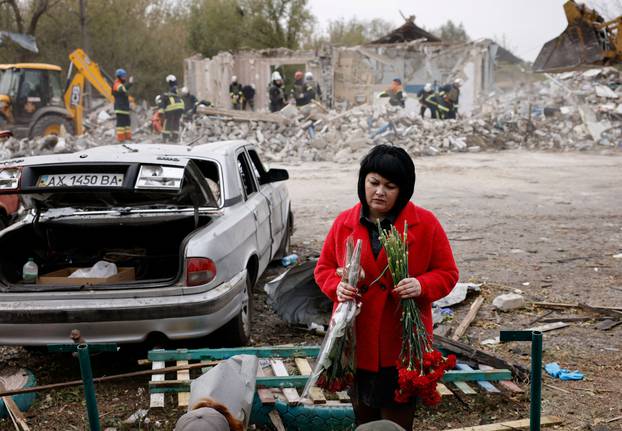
547	224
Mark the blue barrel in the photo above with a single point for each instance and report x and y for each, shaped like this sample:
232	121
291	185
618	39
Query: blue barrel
23	401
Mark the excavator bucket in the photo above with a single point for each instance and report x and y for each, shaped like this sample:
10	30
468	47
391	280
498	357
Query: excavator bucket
580	45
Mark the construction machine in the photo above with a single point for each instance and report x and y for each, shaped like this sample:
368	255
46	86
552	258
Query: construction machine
34	103
588	41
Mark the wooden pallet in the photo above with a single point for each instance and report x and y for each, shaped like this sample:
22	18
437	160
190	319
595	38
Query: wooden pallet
282	372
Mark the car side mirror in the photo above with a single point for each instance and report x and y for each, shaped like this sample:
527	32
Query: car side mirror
274	175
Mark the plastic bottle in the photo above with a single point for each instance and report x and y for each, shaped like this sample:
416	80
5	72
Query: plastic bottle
289	260
30	272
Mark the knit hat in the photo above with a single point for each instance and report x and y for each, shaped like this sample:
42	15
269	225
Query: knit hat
203	419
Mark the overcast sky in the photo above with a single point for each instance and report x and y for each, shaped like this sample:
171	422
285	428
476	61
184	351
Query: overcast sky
526	24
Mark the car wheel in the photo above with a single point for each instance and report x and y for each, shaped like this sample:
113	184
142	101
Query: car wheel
51	125
238	331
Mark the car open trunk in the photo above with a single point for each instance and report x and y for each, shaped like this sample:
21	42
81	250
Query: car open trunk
150	244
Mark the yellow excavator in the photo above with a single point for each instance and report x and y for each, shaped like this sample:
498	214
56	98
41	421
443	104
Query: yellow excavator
588	41
33	102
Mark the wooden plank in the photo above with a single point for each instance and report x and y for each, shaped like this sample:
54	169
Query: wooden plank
468	319
276	420
183	397
316	394
561	305
156	400
13	411
549	327
487	386
443	390
343	396
507	384
280	371
260	352
465	350
265	395
465	388
471	375
511	425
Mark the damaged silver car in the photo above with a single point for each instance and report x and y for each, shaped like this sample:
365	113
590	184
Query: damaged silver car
190	229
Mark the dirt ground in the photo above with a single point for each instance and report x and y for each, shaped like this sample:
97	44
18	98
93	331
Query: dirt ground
547	224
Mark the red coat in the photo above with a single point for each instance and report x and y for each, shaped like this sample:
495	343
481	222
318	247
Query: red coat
431	261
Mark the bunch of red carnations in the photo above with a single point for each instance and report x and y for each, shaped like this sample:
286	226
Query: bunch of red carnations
419	366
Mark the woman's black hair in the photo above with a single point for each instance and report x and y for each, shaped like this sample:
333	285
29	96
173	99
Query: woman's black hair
394	164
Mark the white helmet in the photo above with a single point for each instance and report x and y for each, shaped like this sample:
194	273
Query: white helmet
308	76
427	87
276	76
184	90
234	78
158	99
458	82
171	79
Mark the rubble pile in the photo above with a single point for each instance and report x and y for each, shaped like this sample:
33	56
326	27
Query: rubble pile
571	111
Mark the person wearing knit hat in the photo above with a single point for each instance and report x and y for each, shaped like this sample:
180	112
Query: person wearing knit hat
386	184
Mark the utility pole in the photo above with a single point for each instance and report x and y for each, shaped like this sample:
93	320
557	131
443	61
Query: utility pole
86	48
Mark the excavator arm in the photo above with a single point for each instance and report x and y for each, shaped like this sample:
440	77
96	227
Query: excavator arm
588	41
82	69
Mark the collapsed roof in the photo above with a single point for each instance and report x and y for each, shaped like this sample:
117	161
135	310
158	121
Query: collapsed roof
407	32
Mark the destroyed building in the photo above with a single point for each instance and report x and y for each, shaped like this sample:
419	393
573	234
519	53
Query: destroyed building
351	76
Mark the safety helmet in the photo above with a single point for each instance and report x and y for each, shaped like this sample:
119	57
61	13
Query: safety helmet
276	76
308	76
427	87
253	86
158	99
184	90
120	73
171	79
298	74
458	82
234	78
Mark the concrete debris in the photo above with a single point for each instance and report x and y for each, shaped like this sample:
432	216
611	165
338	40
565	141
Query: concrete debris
573	111
509	301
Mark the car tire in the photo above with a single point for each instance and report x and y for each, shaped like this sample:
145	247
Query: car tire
50	125
237	332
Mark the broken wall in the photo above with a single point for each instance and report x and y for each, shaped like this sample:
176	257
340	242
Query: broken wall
209	78
350	75
362	72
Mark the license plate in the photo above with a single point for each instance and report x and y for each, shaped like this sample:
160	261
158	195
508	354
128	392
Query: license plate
80	180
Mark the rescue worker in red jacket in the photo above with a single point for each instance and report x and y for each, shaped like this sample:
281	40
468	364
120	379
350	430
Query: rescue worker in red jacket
385	185
122	105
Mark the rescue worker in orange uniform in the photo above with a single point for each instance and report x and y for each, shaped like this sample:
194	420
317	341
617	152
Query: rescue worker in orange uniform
122	105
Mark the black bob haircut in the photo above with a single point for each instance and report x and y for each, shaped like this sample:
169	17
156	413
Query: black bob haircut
394	164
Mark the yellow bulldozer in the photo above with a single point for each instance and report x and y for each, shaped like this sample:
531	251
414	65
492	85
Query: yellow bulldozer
588	41
34	103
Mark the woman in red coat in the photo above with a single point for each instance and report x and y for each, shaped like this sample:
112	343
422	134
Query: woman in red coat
385	186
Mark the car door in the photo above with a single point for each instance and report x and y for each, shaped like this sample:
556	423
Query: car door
273	195
258	206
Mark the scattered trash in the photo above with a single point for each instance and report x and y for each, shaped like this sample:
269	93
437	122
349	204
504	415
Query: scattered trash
297	299
490	341
457	295
137	416
289	260
554	370
508	301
